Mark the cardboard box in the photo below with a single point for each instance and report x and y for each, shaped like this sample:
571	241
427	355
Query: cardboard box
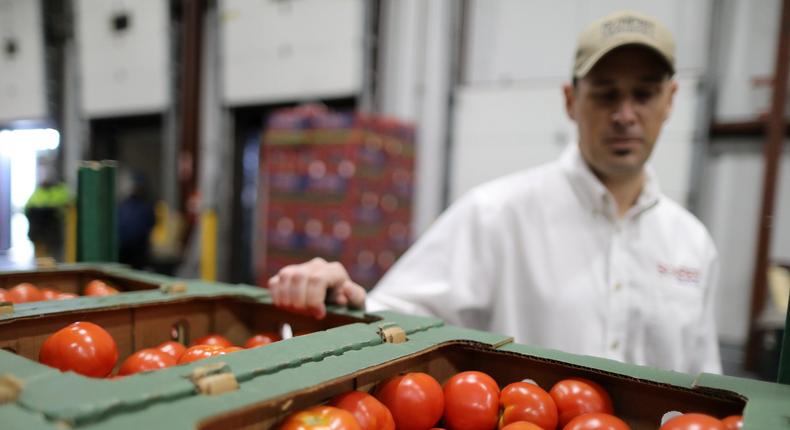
171	397
147	318
355	357
168	309
640	395
72	278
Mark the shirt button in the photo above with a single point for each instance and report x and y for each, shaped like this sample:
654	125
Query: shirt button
615	345
617	286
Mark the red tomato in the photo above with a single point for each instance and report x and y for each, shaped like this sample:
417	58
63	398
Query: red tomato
521	425
64	296
471	401
576	396
414	399
261	339
213	339
693	422
82	347
99	288
596	421
49	293
523	401
146	359
320	418
172	348
4	295
733	422
370	413
25	292
199	352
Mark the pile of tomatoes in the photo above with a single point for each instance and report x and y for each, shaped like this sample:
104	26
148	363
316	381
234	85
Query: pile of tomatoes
473	401
89	350
27	292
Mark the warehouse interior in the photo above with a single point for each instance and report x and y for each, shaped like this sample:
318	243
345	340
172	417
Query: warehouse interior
199	103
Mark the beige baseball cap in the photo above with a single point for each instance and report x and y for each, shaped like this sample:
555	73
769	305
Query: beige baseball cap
620	29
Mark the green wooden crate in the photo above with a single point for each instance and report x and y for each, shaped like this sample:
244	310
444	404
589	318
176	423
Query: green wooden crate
282	378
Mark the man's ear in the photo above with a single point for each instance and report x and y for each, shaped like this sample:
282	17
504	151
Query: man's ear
673	88
570	98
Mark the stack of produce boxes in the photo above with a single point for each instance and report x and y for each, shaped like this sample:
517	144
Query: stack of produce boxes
337	185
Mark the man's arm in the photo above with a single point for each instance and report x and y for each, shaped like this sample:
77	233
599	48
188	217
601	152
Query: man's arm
304	287
707	356
445	274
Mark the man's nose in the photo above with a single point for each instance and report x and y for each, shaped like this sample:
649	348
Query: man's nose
625	113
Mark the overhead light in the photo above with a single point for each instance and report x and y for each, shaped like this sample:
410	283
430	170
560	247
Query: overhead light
28	139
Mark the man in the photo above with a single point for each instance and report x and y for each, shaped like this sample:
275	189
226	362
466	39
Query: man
584	254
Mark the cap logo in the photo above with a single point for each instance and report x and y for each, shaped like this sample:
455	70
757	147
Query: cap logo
628	25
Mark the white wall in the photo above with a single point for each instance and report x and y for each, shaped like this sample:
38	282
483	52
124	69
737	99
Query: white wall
746	32
733	194
283	51
22	90
123	72
416	45
747	37
503	129
514	40
498	130
510	113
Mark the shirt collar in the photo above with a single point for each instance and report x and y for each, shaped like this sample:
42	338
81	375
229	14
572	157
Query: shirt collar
594	195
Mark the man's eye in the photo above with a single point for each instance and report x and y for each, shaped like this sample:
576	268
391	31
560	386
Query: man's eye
607	97
643	96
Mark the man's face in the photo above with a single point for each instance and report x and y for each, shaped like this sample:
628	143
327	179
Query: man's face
619	108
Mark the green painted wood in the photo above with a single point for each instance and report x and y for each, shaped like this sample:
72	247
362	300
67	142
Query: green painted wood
97	232
13	416
784	357
768	405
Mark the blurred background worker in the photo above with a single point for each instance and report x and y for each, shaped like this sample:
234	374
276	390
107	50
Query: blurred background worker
46	214
136	219
584	254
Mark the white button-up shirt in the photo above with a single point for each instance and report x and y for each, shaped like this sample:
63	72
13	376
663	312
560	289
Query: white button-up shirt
541	255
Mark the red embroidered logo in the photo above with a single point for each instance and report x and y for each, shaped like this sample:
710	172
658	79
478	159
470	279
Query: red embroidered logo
680	273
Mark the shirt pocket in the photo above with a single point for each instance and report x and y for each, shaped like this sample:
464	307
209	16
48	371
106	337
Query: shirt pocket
673	322
679	304
676	315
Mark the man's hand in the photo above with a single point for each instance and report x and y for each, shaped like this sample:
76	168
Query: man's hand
303	287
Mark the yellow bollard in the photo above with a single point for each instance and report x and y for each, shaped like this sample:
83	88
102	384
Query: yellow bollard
208	238
70	241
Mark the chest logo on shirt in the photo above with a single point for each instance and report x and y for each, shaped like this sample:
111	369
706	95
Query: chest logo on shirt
682	274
